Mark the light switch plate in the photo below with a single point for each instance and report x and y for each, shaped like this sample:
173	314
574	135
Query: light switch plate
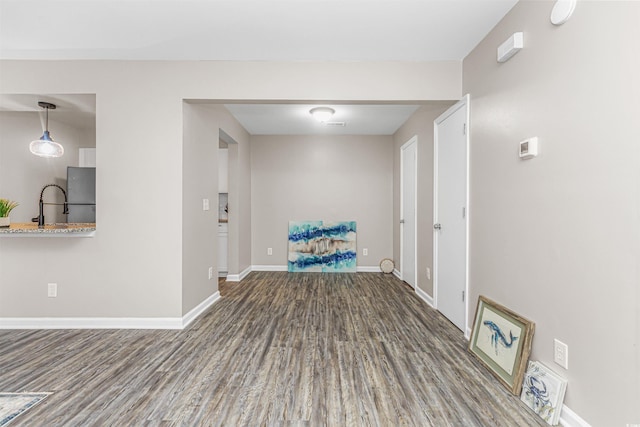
205	204
528	148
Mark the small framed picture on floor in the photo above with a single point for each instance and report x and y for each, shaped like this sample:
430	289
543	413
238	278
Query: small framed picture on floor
543	392
501	340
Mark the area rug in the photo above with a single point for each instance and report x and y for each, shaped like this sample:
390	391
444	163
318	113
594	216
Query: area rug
14	404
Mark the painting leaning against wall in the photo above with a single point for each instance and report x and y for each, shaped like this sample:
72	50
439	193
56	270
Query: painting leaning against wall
322	246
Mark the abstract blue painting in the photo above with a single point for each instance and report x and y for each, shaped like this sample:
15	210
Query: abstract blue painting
322	246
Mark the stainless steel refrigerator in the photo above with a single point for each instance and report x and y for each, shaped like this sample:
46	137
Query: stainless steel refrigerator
81	193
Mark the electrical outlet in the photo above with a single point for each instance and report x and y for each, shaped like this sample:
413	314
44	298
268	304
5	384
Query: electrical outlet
205	204
428	273
561	353
52	290
269	251
365	252
210	273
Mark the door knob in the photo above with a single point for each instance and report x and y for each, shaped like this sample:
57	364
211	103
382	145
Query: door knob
437	226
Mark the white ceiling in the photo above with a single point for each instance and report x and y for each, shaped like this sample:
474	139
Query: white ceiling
77	110
268	30
248	30
295	119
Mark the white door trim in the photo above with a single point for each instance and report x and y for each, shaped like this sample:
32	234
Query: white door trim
463	103
412	140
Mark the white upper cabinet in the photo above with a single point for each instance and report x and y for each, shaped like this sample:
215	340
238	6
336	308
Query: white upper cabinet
87	157
223	170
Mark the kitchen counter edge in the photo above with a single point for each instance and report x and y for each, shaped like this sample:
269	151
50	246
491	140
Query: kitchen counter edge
49	230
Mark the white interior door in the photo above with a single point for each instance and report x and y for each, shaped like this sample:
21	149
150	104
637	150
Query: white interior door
408	184
451	213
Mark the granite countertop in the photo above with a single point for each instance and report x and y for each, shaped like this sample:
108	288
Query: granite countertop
49	230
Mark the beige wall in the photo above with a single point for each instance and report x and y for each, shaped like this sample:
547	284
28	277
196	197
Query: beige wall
420	124
202	125
199	227
22	175
133	267
321	178
557	238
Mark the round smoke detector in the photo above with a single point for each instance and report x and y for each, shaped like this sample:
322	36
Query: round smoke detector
562	11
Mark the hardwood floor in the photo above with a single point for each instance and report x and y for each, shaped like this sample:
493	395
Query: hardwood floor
278	349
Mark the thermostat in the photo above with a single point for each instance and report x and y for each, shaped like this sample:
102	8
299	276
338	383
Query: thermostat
529	148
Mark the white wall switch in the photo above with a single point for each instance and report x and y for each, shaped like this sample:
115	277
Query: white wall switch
210	273
561	353
365	252
269	251
205	204
52	290
428	273
528	148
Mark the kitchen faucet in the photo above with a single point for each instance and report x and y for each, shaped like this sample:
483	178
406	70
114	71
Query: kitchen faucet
65	205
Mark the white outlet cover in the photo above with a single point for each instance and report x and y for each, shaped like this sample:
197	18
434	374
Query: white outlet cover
561	353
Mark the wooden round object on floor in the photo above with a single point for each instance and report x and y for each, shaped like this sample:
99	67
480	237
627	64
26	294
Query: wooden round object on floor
386	265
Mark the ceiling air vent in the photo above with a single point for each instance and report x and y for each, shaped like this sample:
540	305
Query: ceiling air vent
341	124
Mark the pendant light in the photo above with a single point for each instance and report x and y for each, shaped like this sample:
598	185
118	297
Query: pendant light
46	146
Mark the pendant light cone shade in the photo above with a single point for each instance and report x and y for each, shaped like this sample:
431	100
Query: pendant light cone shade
46	146
322	114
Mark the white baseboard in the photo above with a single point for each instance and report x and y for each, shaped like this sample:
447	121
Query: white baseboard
239	277
425	296
91	323
108	322
361	269
199	309
467	334
568	418
369	269
269	268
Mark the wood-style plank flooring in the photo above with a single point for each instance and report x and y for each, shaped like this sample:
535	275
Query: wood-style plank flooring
278	349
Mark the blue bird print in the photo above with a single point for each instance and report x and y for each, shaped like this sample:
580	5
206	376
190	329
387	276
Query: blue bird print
498	337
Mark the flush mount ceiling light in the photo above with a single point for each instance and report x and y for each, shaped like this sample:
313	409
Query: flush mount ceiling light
46	146
322	114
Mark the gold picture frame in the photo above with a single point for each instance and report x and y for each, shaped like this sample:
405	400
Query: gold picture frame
501	340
